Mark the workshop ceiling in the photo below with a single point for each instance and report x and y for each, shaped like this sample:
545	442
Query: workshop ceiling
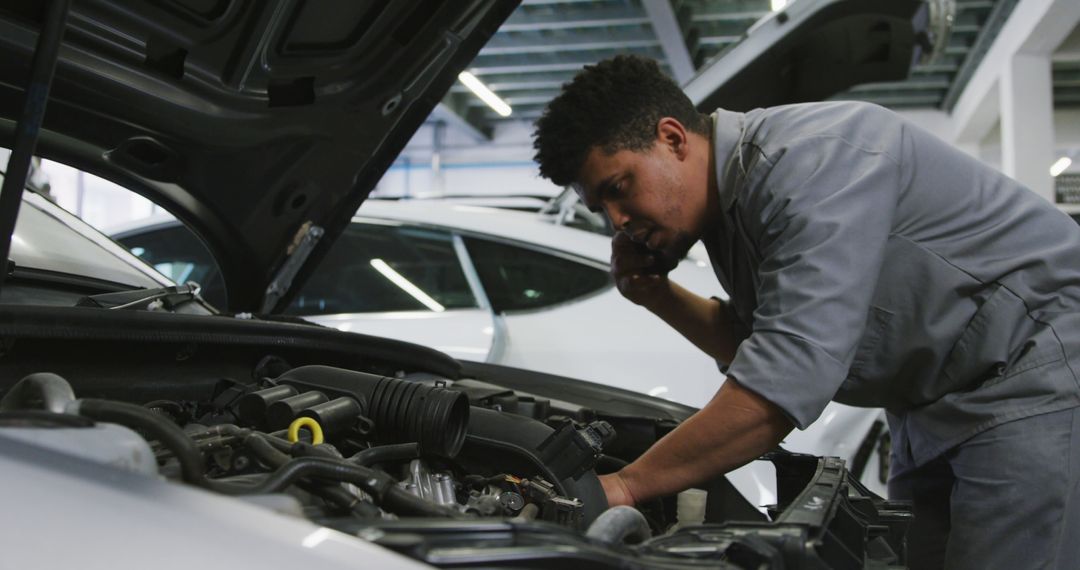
545	42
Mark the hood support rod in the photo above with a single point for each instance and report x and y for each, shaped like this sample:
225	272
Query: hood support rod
29	126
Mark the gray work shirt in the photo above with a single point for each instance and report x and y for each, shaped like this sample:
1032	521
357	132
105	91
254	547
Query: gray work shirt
871	263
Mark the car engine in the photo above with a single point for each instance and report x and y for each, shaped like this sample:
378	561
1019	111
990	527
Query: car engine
338	442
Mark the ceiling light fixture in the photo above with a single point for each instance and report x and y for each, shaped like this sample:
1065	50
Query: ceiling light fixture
778	5
406	285
1060	166
486	95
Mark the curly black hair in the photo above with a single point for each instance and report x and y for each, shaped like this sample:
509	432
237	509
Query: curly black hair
615	105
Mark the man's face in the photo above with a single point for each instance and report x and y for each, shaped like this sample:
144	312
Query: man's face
645	194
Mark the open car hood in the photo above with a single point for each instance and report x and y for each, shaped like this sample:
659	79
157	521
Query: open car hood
262	125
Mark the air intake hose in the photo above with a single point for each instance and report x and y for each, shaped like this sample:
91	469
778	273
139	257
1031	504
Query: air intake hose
403	411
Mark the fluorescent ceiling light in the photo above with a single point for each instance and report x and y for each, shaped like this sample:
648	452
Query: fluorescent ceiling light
406	285
1060	166
778	5
486	95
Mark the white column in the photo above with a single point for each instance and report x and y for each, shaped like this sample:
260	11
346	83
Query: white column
1027	121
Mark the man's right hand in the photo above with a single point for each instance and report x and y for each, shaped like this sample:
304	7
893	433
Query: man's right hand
630	267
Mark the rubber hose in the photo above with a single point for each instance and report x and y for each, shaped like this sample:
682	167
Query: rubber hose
379	485
264	451
620	525
169	434
263	447
386	454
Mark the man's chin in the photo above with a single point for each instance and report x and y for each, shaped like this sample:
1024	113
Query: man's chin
679	246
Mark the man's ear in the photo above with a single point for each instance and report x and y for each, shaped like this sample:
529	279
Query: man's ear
672	134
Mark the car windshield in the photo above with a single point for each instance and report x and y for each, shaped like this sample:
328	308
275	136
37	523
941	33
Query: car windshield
58	259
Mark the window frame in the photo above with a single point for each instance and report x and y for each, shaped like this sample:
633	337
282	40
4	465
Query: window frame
475	288
545	250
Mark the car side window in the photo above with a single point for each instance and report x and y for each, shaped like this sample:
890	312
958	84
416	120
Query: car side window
176	252
518	279
376	268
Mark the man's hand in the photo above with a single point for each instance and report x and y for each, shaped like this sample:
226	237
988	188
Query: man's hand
630	267
734	428
616	490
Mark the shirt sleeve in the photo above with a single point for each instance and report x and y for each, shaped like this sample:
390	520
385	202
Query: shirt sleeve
816	214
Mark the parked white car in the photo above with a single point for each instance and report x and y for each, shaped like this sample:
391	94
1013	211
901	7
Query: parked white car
510	288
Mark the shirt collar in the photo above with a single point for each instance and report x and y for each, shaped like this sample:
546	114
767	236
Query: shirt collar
729	129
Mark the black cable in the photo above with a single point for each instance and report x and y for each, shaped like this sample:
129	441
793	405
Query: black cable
269	451
169	434
386	454
382	487
379	485
264	451
263	447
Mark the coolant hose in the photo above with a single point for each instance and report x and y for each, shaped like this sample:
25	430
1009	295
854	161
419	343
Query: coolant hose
40	391
385	454
382	487
153	424
620	525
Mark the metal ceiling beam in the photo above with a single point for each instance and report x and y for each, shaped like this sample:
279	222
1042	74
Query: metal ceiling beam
518	81
503	88
521	101
551	2
541	98
722	28
568	18
529	43
718	40
524	115
993	24
942	67
491	69
1036	26
897	100
748	16
550	61
666	27
939	82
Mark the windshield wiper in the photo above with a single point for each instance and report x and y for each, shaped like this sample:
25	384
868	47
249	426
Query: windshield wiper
167	298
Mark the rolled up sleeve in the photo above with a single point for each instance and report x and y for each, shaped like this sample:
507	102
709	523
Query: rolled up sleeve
816	215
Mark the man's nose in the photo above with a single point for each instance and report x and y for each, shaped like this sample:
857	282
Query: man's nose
618	219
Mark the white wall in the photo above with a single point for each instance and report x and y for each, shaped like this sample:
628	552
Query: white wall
1066	140
460	166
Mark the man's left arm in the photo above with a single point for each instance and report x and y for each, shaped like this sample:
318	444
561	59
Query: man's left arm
735	427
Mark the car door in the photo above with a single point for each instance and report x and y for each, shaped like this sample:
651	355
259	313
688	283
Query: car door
562	315
399	281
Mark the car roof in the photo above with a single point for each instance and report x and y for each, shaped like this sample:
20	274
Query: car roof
525	227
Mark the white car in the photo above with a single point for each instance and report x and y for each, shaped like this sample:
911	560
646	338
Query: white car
141	428
510	288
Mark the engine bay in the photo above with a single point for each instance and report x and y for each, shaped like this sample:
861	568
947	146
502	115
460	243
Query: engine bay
450	463
339	442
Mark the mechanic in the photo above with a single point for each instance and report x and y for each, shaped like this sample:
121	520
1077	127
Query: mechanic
868	262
